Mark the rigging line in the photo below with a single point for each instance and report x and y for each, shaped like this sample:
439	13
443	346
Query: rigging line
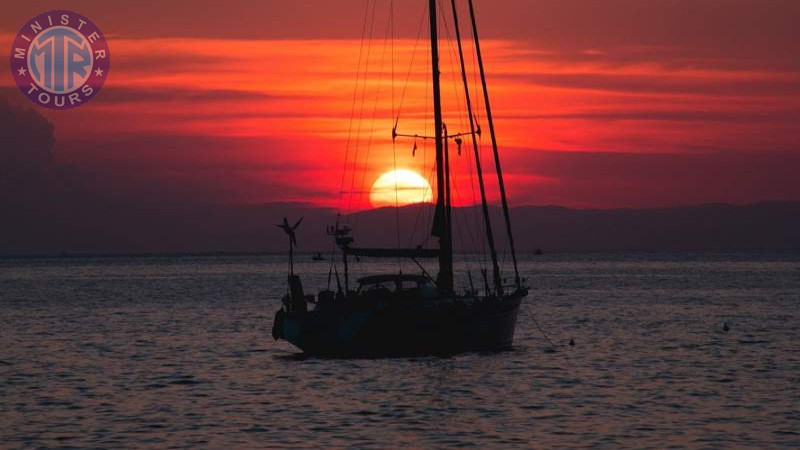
456	195
448	38
527	310
424	213
478	118
476	112
474	200
422	206
422	210
353	108
371	130
459	115
476	214
471	172
464	213
394	146
475	81
495	151
411	65
426	120
541	330
484	203
463	216
362	102
392	54
361	110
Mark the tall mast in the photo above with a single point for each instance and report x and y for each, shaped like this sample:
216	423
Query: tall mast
498	169
442	227
498	284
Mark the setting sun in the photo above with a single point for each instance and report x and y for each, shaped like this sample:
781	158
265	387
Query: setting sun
400	187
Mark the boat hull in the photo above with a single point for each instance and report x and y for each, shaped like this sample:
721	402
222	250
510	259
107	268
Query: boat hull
426	327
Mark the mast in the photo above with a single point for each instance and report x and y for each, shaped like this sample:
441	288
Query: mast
498	284
498	169
448	203
442	227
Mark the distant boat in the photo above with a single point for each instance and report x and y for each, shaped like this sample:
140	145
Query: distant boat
538	251
318	257
403	314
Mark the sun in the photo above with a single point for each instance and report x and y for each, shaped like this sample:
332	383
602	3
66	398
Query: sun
400	187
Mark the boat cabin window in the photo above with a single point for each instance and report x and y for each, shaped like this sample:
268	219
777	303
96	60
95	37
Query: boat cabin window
393	283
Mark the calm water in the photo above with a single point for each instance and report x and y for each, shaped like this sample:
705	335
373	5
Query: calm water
163	352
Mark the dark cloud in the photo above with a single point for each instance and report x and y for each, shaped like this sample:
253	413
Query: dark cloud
27	141
757	33
748	33
142	193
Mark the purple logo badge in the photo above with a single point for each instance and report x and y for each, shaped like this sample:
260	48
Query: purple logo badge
60	59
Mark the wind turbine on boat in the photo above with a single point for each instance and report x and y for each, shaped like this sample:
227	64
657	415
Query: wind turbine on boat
289	230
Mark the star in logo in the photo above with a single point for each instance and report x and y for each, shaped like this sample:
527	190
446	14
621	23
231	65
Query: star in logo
21	71
99	72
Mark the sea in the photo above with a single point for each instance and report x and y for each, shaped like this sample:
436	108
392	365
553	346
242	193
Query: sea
176	352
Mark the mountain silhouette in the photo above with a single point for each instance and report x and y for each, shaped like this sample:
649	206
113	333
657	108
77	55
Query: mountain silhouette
223	228
764	226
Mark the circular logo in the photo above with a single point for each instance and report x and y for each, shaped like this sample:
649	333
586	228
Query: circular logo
60	59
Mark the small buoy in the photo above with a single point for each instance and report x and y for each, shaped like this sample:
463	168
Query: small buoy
572	342
725	326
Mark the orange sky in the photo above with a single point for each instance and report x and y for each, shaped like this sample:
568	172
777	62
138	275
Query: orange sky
591	110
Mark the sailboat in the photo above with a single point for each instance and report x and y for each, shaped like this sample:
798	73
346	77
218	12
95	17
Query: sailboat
401	314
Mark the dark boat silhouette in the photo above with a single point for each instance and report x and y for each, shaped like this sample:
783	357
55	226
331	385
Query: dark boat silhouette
404	314
318	257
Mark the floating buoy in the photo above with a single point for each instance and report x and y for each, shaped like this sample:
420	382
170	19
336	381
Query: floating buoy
725	327
572	342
